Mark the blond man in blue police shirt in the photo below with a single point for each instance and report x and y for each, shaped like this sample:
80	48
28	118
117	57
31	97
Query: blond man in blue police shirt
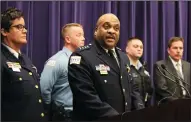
55	89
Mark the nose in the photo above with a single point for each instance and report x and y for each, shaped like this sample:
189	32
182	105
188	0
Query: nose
111	30
83	38
24	30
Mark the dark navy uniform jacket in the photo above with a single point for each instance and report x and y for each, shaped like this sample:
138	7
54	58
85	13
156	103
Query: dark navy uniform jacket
100	88
142	78
20	94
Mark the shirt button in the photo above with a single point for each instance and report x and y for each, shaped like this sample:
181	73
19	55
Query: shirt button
30	73
20	79
42	114
39	100
123	90
126	103
121	77
105	81
36	86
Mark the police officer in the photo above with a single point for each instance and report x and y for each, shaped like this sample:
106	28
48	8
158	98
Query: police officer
55	89
98	75
134	50
21	99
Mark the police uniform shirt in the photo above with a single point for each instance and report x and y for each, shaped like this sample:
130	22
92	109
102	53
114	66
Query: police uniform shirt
54	80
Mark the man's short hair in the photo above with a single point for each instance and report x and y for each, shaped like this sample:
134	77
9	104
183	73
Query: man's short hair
65	27
174	39
132	38
8	16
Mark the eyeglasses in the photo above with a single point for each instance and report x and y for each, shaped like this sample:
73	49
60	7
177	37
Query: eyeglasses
20	27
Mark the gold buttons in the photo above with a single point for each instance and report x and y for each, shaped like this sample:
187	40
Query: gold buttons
126	103
40	101
123	90
36	86
30	73
20	79
42	114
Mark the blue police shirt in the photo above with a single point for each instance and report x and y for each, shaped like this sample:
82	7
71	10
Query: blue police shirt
54	80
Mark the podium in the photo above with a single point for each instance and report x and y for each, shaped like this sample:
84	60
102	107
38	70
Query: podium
177	110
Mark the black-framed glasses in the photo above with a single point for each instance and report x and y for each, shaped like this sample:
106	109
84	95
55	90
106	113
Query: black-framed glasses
20	27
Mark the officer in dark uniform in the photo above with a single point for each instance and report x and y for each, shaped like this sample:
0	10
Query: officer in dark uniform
134	50
98	75
21	100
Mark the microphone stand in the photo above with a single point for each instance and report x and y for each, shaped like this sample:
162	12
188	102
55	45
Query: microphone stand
172	81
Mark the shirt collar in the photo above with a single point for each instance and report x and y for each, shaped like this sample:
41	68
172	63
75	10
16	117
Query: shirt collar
139	65
174	62
106	50
67	51
15	53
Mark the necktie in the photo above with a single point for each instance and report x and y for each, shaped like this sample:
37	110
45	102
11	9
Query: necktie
181	77
21	59
111	53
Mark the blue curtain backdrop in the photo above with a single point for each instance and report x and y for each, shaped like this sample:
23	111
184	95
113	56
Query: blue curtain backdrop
154	22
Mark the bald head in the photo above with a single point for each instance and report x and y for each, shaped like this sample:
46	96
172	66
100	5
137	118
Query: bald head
105	17
107	30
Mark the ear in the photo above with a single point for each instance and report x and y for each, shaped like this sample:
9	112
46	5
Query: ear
168	50
67	39
126	49
95	33
3	32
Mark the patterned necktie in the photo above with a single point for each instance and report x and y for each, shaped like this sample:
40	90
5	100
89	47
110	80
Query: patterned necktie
181	77
111	53
179	71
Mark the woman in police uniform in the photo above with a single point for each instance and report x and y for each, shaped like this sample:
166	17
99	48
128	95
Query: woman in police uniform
21	100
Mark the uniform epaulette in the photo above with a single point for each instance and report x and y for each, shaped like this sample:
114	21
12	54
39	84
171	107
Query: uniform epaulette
118	48
86	47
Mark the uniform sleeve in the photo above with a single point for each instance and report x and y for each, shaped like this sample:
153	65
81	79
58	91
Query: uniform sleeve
84	92
51	72
160	84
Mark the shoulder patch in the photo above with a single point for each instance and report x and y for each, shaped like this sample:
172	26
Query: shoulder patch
75	59
118	48
51	63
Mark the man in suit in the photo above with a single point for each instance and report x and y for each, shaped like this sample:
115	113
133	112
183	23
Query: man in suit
20	94
166	89
98	75
134	50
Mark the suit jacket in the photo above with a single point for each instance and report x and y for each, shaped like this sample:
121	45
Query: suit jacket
166	88
21	100
100	88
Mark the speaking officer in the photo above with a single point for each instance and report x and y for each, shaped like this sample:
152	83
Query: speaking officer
98	75
134	50
21	100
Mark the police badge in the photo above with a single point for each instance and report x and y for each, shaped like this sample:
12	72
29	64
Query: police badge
128	68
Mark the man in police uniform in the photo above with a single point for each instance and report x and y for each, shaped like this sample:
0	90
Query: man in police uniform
55	89
98	75
134	50
21	99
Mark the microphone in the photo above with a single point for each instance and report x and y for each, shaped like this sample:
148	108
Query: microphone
164	67
175	88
